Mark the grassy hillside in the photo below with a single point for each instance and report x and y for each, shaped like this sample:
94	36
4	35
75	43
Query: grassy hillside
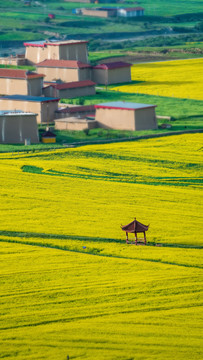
70	284
20	22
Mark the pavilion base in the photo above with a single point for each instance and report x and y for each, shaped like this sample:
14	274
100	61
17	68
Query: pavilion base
137	241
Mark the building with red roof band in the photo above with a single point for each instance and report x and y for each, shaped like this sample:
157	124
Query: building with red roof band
64	70
23	82
37	51
70	90
44	107
112	73
122	115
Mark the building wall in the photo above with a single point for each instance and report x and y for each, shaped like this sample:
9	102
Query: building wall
53	52
98	13
111	76
13	86
76	92
27	106
84	74
115	119
45	111
145	119
120	75
12	60
49	92
15	129
62	115
74	52
34	87
122	12
64	74
69	93
48	111
75	124
36	54
54	73
100	76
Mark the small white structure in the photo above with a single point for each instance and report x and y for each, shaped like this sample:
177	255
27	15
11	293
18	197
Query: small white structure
131	12
18	127
74	123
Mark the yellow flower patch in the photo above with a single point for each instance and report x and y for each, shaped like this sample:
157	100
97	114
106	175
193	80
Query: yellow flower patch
178	78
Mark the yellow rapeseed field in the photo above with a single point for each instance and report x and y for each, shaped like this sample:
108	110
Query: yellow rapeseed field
91	190
177	78
70	286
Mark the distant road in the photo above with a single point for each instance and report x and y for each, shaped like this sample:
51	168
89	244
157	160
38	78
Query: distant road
148	36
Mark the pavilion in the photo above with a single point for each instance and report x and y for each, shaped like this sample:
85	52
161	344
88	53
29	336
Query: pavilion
135	227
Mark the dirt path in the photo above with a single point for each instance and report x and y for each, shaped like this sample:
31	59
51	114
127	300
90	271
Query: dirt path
145	58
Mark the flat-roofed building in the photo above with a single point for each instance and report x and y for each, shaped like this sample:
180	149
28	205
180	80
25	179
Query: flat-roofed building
64	70
112	73
104	12
131	12
45	107
75	124
17	126
37	51
70	90
122	115
23	82
75	111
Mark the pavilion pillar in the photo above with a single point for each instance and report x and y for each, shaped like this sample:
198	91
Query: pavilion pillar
145	240
135	238
126	237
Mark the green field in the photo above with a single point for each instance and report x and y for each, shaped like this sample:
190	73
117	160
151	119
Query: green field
70	286
18	22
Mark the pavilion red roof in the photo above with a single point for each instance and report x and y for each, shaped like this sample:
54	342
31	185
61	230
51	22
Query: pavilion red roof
19	74
135	227
73	64
113	65
48	134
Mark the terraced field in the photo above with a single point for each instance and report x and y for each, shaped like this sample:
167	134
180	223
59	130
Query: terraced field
70	286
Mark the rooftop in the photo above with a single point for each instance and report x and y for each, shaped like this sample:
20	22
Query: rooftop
15	112
48	134
132	8
73	64
28	98
122	105
44	43
71	85
19	74
73	109
112	65
135	226
103	8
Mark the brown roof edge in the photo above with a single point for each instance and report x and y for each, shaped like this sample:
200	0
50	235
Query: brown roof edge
35	76
71	85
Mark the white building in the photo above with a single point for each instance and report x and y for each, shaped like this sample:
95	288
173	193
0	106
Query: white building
131	12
